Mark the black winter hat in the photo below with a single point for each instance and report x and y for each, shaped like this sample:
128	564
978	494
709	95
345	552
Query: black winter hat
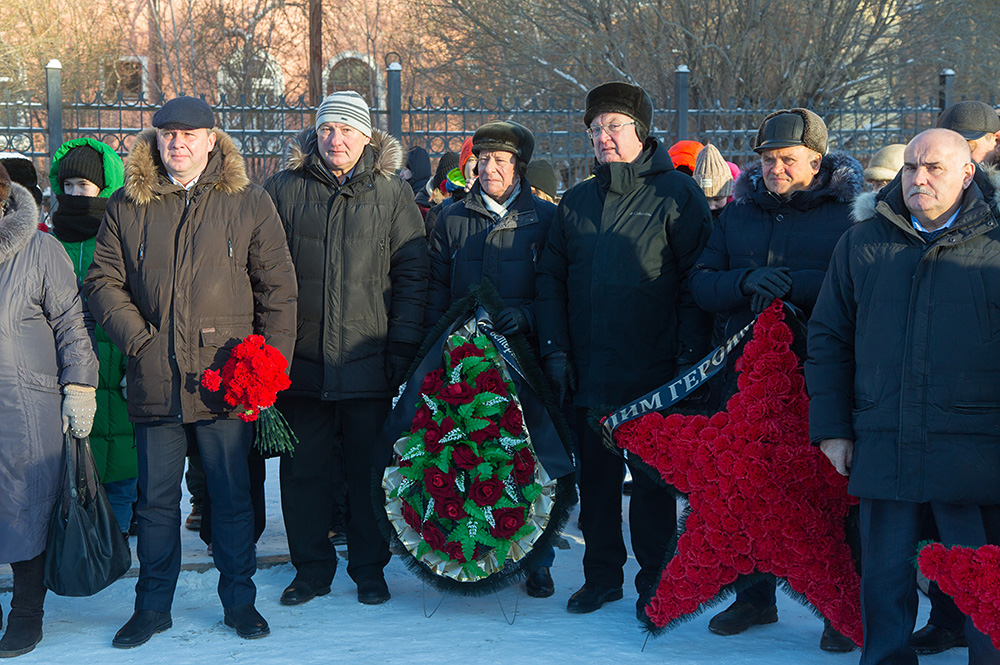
505	135
184	113
542	176
448	161
82	162
791	127
21	170
969	118
621	97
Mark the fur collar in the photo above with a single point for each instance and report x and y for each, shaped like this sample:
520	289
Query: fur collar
387	152
146	178
987	178
19	224
839	174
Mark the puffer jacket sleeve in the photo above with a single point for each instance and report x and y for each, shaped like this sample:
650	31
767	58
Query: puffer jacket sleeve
439	254
105	286
407	268
805	288
272	277
552	301
716	287
830	367
688	232
64	312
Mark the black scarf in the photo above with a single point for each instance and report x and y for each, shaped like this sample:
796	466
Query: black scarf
78	217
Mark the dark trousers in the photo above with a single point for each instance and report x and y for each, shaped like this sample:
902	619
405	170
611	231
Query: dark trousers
336	440
890	531
652	515
258	474
223	445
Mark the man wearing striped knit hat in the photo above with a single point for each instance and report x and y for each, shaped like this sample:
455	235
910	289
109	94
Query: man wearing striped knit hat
357	242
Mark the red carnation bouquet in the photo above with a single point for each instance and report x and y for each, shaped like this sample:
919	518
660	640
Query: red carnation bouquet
252	378
972	578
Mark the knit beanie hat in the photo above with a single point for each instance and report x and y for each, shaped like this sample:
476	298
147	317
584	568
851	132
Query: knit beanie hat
621	97
791	127
21	169
347	107
886	163
712	174
82	162
448	161
4	187
542	176
684	154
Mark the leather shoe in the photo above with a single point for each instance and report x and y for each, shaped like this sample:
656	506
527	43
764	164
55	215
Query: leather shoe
301	591
935	639
739	616
247	621
142	626
539	583
834	641
590	597
373	592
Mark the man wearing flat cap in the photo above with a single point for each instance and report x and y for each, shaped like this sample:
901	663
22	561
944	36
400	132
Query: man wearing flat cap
976	122
360	254
774	241
616	319
190	259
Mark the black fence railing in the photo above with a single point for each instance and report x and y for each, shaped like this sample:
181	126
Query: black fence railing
263	127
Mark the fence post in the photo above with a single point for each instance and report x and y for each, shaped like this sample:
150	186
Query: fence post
946	94
394	70
53	89
681	89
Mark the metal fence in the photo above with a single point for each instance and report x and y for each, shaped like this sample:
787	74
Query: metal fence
36	126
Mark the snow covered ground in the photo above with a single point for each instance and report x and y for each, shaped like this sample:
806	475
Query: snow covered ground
337	629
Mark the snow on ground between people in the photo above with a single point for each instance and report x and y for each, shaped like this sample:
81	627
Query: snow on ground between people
336	628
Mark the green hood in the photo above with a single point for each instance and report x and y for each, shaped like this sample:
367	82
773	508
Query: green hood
114	169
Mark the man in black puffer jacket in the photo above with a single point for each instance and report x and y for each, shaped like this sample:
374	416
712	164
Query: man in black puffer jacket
904	373
614	309
775	241
360	255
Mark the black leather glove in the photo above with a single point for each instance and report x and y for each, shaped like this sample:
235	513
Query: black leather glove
399	357
561	374
763	285
511	320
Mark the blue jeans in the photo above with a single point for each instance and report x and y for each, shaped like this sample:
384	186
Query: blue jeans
121	495
224	446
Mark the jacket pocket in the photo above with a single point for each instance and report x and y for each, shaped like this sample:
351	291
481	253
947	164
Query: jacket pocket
33	380
862	405
982	408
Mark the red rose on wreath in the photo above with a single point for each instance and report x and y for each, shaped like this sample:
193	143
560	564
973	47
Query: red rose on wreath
439	484
422	418
433	536
454	551
486	492
466	351
491	431
433	382
457	393
464	458
411	517
524	467
511	420
490	382
434	434
449	507
508	521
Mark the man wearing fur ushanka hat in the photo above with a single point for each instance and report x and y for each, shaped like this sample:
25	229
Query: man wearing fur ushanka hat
616	320
190	259
360	254
775	241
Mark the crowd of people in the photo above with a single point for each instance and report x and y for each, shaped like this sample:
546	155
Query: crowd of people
155	268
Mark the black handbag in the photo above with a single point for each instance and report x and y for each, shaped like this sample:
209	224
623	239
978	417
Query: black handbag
85	551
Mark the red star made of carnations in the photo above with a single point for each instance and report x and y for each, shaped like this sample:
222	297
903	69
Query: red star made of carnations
761	497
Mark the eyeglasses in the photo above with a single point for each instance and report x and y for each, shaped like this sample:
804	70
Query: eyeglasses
614	129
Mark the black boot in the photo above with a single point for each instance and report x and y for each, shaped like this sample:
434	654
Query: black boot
24	624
